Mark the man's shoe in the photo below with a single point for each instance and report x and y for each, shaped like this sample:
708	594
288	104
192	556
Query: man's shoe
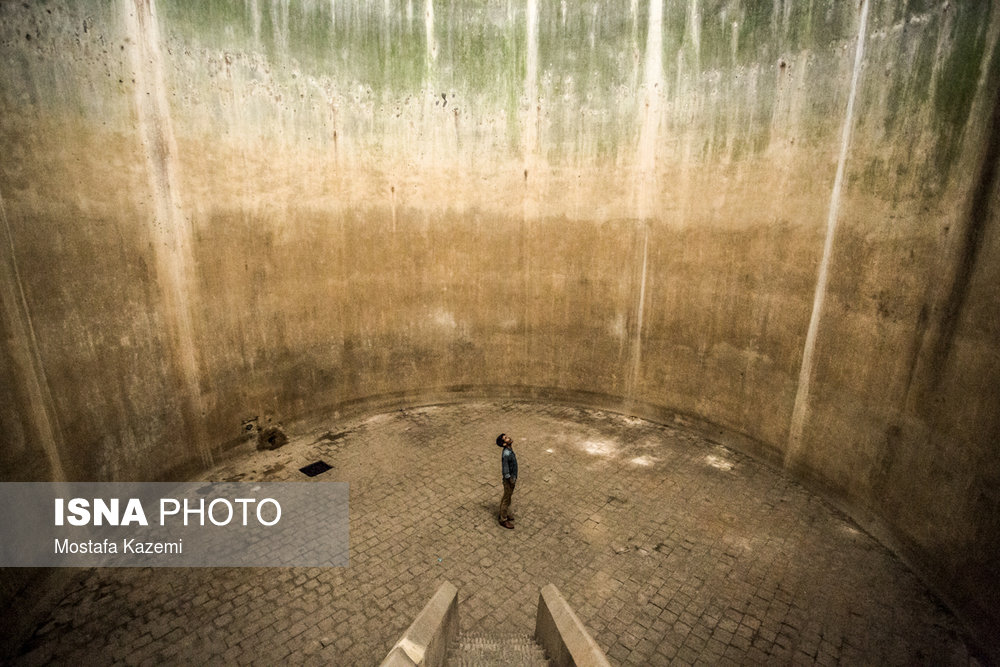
507	524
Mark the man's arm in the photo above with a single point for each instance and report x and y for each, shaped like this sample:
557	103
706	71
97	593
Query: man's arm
506	465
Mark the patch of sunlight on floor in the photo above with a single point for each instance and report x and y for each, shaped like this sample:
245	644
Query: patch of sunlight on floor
600	448
717	462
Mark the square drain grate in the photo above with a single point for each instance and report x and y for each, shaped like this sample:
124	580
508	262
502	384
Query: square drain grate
317	468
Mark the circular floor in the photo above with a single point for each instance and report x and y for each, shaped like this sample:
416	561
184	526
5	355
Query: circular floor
670	548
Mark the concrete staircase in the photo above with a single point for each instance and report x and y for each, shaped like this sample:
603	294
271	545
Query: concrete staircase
434	640
478	649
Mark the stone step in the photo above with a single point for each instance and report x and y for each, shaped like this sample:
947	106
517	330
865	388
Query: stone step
488	649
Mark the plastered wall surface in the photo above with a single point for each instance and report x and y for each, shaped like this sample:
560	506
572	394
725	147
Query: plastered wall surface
779	219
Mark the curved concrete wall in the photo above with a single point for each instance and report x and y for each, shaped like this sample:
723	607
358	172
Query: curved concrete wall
780	219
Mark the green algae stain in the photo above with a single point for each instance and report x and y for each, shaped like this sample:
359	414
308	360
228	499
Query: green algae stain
959	76
913	89
957	83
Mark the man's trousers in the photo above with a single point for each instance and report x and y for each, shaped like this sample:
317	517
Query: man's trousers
508	490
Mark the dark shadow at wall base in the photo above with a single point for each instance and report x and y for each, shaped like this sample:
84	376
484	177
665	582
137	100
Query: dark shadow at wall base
979	622
26	594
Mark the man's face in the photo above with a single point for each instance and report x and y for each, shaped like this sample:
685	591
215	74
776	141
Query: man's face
507	441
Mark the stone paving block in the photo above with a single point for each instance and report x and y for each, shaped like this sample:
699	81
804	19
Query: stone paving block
672	562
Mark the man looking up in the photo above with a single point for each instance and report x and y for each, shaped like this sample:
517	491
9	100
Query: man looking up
508	465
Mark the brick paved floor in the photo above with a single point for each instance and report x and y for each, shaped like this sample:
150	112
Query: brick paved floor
671	549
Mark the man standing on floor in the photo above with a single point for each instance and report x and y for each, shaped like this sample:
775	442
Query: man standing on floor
508	464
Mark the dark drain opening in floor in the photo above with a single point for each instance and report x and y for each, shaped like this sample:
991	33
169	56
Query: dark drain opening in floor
317	468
